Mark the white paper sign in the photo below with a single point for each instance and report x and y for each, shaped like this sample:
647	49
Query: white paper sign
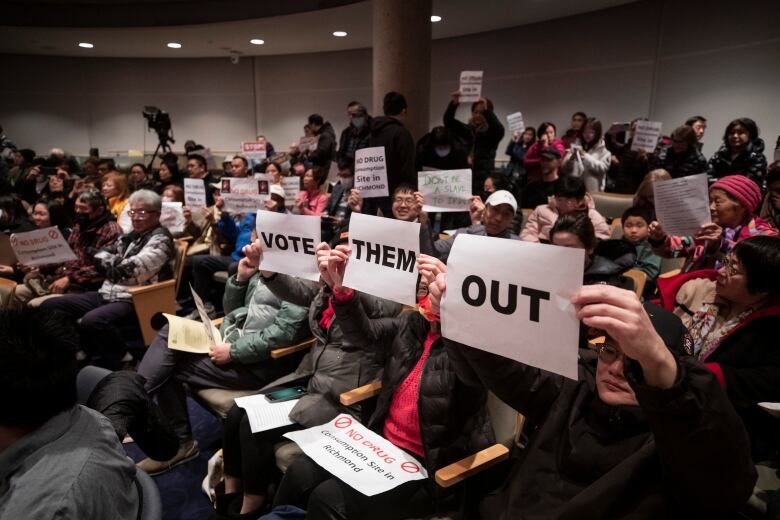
371	172
470	86
254	151
194	193
288	243
646	136
292	188
682	205
516	123
41	247
264	415
384	257
308	143
445	190
172	217
357	456
512	306
244	195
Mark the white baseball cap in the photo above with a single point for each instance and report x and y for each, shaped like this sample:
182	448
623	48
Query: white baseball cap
502	197
276	189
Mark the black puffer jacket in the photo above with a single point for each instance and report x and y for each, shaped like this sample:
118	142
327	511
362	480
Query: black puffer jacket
482	144
399	150
750	163
610	260
691	162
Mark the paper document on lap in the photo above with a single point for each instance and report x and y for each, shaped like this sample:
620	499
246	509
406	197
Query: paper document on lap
264	415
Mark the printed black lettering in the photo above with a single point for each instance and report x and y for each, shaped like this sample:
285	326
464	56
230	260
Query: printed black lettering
511	304
481	290
358	247
295	241
388	255
281	242
308	246
535	296
267	238
406	260
372	252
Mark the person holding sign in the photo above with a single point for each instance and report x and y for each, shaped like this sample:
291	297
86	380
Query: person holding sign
590	159
338	210
734	201
423	408
545	139
616	442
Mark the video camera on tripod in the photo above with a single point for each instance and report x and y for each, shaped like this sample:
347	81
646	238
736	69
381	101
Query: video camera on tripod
159	121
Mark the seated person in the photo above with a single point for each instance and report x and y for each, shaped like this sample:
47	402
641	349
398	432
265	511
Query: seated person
636	221
569	196
645	431
142	257
682	156
538	192
257	322
734	200
337	212
770	209
57	459
311	200
645	193
334	365
742	152
113	186
733	316
94	228
193	222
492	219
422	408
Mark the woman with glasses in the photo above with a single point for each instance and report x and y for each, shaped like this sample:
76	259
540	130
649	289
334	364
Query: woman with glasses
734	200
733	315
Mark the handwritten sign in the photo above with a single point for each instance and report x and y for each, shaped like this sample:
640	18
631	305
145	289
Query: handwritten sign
195	193
371	172
41	247
172	217
254	151
470	86
515	122
384	255
522	314
244	195
288	243
682	205
357	456
292	188
646	136
445	190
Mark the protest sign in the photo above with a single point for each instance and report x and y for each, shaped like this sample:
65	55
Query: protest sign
308	143
516	123
244	195
384	256
470	86
357	456
195	193
646	134
445	190
288	243
502	299
41	247
292	189
254	151
172	217
682	205
264	415
371	172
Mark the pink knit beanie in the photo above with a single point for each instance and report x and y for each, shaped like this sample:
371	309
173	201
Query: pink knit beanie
741	188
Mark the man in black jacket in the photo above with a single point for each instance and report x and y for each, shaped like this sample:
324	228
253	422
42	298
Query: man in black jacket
645	431
326	144
355	135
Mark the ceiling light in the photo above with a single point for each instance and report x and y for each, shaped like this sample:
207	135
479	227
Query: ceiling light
339	34
256	41
85	45
174	45
435	18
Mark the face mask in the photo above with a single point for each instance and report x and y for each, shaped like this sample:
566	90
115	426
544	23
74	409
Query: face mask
358	122
347	182
442	151
82	219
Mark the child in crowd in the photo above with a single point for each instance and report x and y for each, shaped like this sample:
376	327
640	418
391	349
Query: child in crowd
636	221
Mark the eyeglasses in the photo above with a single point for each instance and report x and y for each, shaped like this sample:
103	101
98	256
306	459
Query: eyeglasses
409	201
731	266
141	213
608	353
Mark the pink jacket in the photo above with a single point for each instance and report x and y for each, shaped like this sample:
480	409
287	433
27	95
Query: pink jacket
533	158
543	217
314	203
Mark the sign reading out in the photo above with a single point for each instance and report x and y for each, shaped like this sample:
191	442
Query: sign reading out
288	243
511	306
194	193
371	172
384	257
41	247
470	86
445	190
244	195
359	457
646	134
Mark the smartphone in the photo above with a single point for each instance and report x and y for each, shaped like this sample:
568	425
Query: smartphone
287	394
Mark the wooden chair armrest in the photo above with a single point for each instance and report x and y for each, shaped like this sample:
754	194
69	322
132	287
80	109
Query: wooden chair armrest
292	349
218	321
467	466
669	274
142	289
361	393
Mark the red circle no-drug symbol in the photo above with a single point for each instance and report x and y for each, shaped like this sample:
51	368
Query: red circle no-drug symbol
410	467
343	422
52	234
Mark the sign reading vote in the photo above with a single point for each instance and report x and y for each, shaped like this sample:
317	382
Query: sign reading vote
371	172
384	257
244	195
516	123
195	193
357	456
445	190
41	247
288	243
470	86
646	134
511	305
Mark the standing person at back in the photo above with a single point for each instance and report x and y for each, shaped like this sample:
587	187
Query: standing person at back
390	132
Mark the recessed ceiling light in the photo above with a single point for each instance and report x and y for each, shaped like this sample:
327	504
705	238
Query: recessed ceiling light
339	34
85	45
256	41
435	18
174	45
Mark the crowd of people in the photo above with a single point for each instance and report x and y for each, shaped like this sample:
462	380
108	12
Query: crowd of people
663	420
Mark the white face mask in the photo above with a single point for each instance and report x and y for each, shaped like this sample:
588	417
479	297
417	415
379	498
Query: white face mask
358	122
347	182
442	151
